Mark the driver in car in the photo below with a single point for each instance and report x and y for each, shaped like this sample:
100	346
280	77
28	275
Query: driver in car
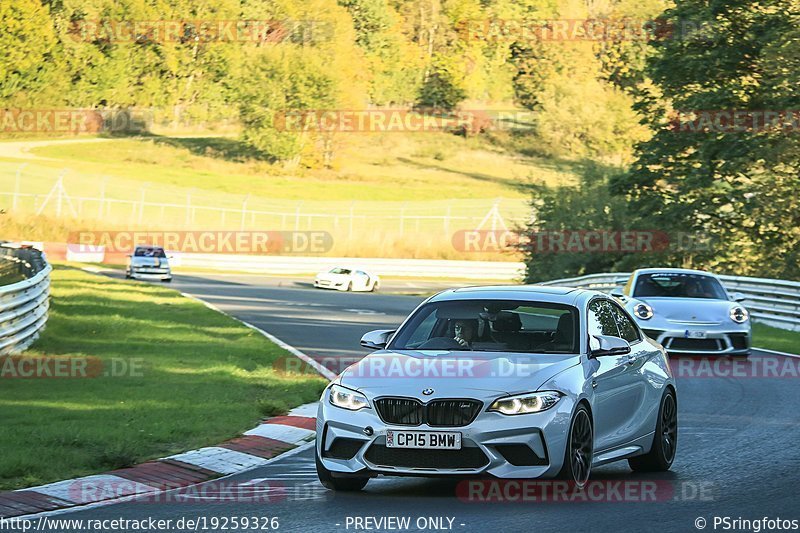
464	333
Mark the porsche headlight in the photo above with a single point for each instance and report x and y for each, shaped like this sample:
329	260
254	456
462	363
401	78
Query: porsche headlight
643	311
347	399
739	314
532	402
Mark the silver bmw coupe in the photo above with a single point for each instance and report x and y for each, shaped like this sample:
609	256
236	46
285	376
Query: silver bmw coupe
511	382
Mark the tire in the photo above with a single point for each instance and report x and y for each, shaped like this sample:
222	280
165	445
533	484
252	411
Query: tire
579	450
167	280
375	286
342	484
349	287
665	441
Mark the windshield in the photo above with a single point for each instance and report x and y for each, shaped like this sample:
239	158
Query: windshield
678	285
339	271
150	252
491	326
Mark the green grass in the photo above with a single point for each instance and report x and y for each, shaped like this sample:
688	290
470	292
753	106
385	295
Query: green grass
412	191
203	378
776	339
369	167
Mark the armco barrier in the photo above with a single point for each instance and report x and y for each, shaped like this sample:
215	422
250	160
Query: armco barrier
292	264
434	268
771	301
24	296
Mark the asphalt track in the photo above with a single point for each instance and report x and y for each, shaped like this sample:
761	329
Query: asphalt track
737	454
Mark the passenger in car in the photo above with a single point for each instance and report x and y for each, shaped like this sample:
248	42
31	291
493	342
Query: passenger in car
563	337
505	329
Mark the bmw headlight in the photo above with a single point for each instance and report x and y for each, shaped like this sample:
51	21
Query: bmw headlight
532	402
739	314
347	399
643	311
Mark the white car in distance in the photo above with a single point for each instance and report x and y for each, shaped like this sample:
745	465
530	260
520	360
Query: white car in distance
149	263
347	279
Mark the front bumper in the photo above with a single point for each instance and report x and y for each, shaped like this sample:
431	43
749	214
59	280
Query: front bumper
150	274
326	284
521	446
718	340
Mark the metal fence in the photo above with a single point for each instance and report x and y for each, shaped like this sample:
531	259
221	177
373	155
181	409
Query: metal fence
24	296
771	301
121	204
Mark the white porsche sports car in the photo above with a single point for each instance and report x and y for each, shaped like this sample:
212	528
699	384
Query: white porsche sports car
687	311
347	279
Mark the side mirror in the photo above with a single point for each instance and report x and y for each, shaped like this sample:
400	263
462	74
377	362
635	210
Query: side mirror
738	297
617	292
378	339
602	345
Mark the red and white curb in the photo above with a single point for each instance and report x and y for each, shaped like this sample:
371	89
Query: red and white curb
255	448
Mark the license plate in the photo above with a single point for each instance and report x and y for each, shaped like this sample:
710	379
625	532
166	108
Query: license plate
695	334
424	440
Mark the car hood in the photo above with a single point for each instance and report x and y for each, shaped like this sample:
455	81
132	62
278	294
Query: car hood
332	277
149	261
690	309
453	374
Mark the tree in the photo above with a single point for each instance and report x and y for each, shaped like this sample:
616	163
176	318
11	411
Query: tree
395	70
440	91
561	210
283	90
738	184
26	40
279	84
579	109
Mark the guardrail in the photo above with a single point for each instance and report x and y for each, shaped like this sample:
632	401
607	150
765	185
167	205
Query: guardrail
434	268
505	271
24	296
773	302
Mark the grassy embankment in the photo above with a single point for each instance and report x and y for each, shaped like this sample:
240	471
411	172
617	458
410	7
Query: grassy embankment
383	178
780	340
170	375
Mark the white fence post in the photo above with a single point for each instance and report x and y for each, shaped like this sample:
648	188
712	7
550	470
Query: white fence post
101	207
188	209
297	216
352	216
244	212
141	204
